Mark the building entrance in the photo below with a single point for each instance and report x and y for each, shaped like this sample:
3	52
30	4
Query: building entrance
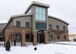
27	38
40	36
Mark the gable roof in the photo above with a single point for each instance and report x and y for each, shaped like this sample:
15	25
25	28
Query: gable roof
58	19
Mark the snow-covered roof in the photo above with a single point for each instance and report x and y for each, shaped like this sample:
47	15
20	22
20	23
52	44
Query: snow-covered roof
37	3
20	15
58	19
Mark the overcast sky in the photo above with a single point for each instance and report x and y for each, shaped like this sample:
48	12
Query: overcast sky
63	9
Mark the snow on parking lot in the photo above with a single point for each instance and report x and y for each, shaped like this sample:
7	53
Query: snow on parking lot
51	48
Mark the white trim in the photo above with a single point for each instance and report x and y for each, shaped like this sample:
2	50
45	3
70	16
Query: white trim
20	15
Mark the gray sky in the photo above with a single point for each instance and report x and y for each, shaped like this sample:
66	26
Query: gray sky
63	9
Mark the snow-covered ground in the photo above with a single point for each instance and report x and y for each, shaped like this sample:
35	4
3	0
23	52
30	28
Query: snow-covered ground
67	43
51	48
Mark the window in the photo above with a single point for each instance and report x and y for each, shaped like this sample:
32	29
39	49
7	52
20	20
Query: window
65	37
18	36
27	37
18	24
58	36
40	26
27	24
40	13
41	17
50	37
57	27
50	26
1	34
64	28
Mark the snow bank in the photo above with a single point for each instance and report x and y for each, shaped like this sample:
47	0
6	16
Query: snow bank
41	49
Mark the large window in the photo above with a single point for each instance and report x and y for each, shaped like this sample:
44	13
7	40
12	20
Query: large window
18	24
41	18
40	13
40	26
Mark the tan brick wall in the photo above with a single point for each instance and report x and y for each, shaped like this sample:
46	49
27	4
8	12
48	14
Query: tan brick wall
46	37
6	36
67	38
23	38
62	34
12	32
35	37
